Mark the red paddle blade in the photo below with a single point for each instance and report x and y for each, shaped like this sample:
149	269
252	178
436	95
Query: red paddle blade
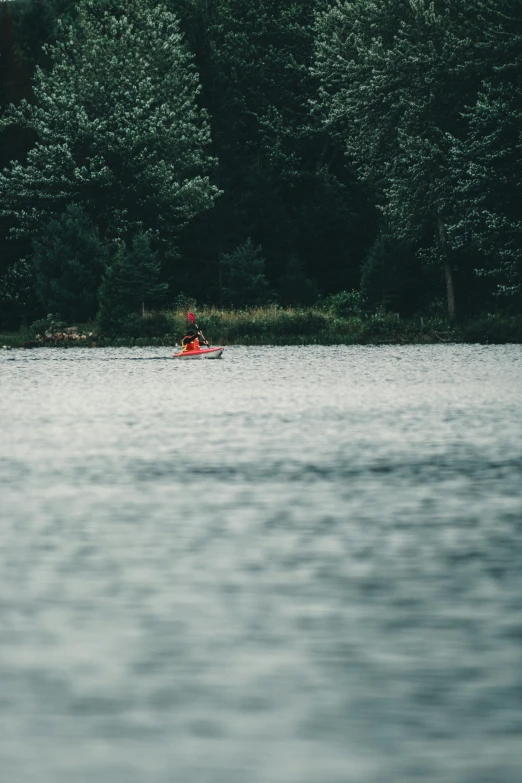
191	318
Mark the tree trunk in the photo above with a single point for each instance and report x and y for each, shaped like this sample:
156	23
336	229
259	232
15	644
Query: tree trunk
448	272
143	309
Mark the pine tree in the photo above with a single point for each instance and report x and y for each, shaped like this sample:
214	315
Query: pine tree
18	300
295	287
377	274
391	277
14	79
285	181
131	282
487	163
118	127
38	23
10	60
396	77
68	262
246	284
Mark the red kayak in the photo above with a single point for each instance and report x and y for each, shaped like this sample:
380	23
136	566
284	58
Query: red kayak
202	353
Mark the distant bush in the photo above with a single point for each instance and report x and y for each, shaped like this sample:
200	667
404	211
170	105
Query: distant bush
51	323
184	302
274	325
493	328
153	324
150	325
343	304
382	325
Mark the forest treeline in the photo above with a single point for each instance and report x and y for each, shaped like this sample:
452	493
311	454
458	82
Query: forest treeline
243	152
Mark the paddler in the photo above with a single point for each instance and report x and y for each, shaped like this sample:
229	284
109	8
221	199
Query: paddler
191	341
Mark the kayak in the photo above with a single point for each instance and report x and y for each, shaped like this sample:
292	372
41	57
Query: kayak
203	353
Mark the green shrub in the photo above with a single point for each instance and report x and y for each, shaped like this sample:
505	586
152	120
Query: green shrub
151	325
184	302
344	304
382	325
51	323
493	328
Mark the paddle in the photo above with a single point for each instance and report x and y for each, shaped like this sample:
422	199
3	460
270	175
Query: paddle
192	320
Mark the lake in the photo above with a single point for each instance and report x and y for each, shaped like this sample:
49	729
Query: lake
291	565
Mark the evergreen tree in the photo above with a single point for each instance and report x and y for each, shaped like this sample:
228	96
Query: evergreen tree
118	127
396	78
18	300
285	181
68	262
15	84
38	23
391	277
295	287
246	284
377	275
10	58
487	163
131	282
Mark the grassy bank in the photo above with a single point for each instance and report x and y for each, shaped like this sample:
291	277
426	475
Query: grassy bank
277	326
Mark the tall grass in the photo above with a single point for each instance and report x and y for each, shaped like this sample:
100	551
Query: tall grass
297	326
275	325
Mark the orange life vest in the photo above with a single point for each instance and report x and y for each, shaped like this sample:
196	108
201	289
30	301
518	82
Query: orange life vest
189	344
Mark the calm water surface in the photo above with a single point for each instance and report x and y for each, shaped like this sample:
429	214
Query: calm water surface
288	566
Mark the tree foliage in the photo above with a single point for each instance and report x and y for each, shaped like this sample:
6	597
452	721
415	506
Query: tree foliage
118	127
68	261
246	284
487	162
285	183
309	117
295	287
396	80
131	282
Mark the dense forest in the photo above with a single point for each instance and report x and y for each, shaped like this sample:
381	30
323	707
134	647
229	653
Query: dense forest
247	152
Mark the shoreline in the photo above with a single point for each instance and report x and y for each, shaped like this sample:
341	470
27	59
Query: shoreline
13	342
276	327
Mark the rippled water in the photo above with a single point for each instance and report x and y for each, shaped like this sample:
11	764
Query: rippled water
293	565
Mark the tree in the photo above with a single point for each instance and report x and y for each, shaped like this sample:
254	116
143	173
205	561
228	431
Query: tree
11	67
286	183
295	287
391	274
118	127
68	262
15	84
396	78
18	301
130	282
38	23
487	164
246	284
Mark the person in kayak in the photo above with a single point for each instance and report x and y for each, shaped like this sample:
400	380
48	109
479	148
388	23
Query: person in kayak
193	340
